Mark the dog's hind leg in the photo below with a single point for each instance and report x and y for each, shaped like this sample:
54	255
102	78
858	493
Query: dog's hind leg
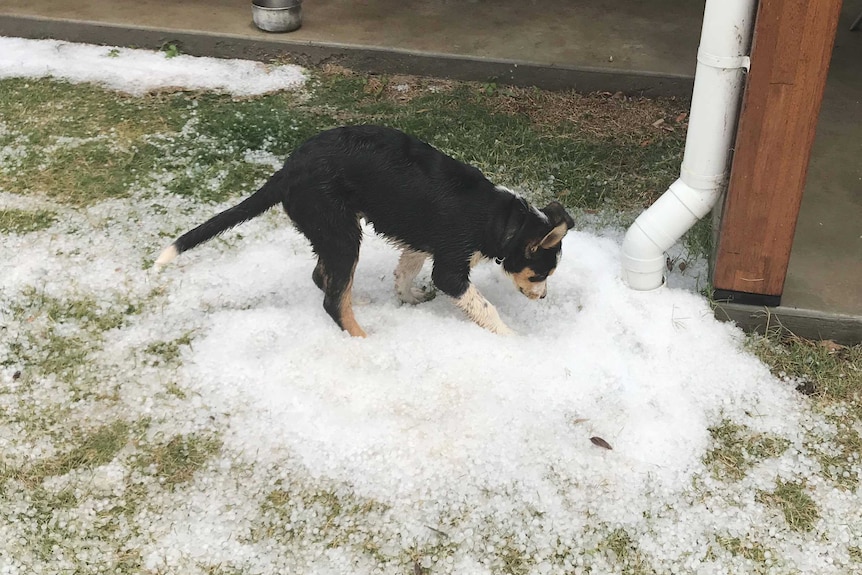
338	301
335	236
335	268
409	265
318	276
336	279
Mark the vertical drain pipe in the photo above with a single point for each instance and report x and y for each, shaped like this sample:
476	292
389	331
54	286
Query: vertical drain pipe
722	61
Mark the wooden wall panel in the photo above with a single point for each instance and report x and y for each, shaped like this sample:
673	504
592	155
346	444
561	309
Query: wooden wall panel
792	46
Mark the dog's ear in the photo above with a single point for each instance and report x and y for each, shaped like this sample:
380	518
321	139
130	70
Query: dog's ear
557	214
562	222
554	237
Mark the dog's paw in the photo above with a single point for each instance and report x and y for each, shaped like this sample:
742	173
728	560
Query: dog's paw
417	295
503	329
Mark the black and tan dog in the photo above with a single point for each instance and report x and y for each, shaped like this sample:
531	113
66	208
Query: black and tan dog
421	199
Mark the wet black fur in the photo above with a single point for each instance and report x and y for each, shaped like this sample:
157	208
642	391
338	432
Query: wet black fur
411	193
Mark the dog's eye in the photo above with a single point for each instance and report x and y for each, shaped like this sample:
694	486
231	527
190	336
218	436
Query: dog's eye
538	278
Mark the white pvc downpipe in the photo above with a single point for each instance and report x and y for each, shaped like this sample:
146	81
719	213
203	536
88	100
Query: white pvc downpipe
722	61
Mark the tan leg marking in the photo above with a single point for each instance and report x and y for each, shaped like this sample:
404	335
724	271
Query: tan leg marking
348	320
476	259
409	265
482	312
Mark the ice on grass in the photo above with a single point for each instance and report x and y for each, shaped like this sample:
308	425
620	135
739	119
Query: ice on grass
431	443
137	72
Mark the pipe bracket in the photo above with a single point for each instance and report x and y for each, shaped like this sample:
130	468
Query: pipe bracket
723	62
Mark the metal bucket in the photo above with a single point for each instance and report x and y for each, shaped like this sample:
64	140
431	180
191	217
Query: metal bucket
277	15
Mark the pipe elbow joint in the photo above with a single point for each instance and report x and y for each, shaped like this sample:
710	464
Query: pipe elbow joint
643	260
658	228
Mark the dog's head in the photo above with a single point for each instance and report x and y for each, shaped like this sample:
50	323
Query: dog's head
538	249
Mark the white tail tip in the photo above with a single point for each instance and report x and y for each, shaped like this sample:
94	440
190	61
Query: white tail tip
167	256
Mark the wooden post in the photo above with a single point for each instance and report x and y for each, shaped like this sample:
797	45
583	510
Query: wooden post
792	46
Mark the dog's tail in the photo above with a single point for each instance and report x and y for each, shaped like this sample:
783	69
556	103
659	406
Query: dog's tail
266	197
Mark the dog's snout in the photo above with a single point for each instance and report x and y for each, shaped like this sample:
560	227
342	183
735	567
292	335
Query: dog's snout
530	284
535	292
540	290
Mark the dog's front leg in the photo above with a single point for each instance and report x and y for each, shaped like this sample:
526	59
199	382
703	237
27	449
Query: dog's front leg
409	266
452	277
481	311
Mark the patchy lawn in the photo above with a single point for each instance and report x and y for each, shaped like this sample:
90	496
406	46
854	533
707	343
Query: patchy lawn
211	419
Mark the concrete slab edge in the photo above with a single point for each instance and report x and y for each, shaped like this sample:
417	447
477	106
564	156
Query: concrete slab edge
810	324
370	59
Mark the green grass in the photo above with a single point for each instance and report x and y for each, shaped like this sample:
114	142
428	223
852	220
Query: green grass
831	376
91	449
334	516
699	240
25	221
85	451
47	348
736	449
177	461
41	110
623	550
84	174
799	510
826	372
558	161
751	550
61	355
168	352
838	454
84	310
170	50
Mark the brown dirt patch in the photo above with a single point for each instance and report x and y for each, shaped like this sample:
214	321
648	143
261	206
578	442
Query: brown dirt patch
602	114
